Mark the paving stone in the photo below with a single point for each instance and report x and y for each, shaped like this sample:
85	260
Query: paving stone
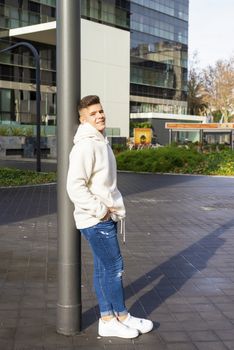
28	347
7	332
181	346
229	315
203	336
157	346
194	325
120	346
225	334
210	345
174	336
212	315
51	337
186	316
6	344
179	266
229	345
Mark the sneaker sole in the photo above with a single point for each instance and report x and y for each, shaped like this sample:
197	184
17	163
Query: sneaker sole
118	336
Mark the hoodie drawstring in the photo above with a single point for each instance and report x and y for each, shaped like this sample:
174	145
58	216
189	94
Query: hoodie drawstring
122	229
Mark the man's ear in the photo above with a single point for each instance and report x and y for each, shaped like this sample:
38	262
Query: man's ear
82	119
82	116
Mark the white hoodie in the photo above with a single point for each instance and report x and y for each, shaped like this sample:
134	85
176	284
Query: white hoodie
91	179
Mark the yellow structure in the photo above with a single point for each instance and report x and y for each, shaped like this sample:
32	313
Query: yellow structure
142	136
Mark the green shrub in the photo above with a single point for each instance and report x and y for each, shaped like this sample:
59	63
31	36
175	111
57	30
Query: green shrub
221	163
17	177
28	131
177	160
14	131
117	148
4	131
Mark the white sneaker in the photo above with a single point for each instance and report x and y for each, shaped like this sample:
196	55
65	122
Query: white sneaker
141	324
114	328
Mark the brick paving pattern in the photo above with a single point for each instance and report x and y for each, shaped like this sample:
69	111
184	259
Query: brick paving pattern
179	266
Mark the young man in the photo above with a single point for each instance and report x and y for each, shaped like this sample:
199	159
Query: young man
91	186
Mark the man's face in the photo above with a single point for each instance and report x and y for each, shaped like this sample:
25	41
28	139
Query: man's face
95	116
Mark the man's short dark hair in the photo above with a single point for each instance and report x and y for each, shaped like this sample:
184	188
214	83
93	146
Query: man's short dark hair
88	101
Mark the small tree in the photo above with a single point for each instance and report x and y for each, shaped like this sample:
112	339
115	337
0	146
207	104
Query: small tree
218	83
196	103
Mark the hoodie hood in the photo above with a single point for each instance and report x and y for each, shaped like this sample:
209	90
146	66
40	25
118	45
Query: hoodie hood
85	131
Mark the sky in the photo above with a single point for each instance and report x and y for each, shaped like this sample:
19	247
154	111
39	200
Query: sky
211	30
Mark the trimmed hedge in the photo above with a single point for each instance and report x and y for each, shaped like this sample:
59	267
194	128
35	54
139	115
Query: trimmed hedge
177	160
17	177
160	160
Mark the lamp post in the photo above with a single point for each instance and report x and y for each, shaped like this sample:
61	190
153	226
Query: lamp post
38	95
68	95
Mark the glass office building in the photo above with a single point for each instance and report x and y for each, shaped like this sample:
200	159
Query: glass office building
17	68
159	48
158	54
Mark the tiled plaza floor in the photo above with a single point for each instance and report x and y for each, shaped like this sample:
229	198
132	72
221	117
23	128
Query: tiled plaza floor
179	266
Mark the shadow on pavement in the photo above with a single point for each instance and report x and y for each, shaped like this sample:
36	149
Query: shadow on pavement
23	203
174	274
148	182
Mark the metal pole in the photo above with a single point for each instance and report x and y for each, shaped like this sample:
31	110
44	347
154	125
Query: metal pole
68	94
38	112
170	136
38	95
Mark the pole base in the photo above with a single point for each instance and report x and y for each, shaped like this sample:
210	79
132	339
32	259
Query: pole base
69	320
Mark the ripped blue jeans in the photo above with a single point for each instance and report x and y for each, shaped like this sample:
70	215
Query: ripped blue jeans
108	267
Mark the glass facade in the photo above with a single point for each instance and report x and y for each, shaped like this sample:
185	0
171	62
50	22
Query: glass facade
159	50
20	13
158	54
19	106
17	68
158	107
18	79
17	100
112	12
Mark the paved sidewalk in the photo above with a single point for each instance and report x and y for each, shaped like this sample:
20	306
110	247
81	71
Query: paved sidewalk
179	266
47	165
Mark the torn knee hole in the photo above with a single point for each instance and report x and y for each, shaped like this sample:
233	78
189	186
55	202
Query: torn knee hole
119	274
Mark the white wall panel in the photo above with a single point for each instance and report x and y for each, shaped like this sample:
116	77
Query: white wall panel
105	70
